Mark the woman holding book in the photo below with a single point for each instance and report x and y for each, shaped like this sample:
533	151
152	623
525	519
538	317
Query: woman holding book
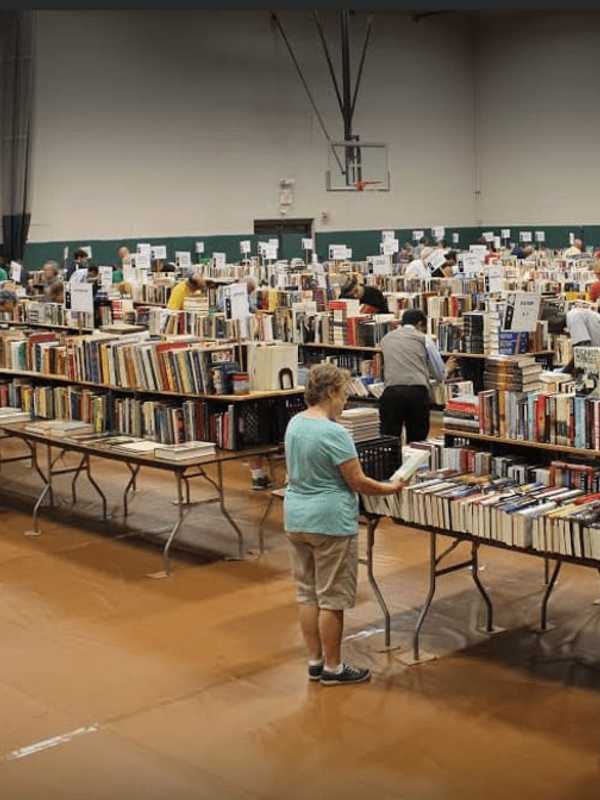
321	520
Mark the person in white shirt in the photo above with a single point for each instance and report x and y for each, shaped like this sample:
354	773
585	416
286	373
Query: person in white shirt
583	326
417	269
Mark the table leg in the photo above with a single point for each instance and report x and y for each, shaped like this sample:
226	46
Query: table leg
261	525
240	536
131	485
430	594
46	490
486	598
181	512
546	570
547	593
371	528
96	487
50	465
74	481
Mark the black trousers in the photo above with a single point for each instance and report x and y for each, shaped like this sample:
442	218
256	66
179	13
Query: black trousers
405	406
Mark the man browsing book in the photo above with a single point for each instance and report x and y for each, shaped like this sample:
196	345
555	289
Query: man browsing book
410	360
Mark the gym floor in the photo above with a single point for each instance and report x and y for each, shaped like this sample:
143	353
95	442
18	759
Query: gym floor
114	685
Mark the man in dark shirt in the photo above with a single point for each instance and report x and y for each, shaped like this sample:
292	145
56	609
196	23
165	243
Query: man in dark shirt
80	261
371	299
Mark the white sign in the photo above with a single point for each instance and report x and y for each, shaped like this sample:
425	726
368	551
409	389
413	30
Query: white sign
245	246
307	244
16	270
270	251
129	274
348	253
479	250
488	236
381	264
87	249
438	232
142	260
144	247
505	233
158	251
235	298
471	263
337	252
435	259
525	236
571	239
199	247
82	298
65	252
219	260
497	242
521	312
455	238
106	275
494	279
388	236
418	235
79	276
183	258
540	236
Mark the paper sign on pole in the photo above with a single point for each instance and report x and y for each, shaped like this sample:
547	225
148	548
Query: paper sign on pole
471	263
505	233
144	247
521	312
381	264
79	276
488	236
435	259
158	251
307	244
348	255
438	232
455	238
245	246
337	252
525	236
82	297
16	270
87	249
479	249
219	260
540	236
106	275
497	242
65	252
183	258
418	235
494	279
142	260
199	248
270	251
129	274
571	239
388	236
236	301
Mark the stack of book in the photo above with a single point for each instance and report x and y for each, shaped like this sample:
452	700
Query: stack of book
512	373
462	413
361	423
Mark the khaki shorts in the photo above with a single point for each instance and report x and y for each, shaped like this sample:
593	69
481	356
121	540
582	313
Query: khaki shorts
325	568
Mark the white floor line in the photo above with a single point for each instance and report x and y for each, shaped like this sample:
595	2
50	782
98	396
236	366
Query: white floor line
46	744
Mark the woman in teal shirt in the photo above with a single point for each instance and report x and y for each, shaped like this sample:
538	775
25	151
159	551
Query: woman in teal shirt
321	520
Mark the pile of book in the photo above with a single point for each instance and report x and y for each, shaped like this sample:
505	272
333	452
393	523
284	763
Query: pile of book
462	413
361	423
520	373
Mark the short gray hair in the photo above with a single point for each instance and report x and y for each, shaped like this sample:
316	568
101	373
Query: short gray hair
323	379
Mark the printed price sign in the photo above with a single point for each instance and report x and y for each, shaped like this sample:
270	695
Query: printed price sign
494	279
488	236
199	248
219	259
144	247
105	274
455	238
245	246
418	235
435	259
479	249
142	260
158	251
471	263
337	252
521	312
236	301
16	270
525	236
270	251
381	265
388	236
183	258
438	232
307	244
540	236
82	297
505	233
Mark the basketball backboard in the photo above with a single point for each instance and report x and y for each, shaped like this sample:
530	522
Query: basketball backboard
357	167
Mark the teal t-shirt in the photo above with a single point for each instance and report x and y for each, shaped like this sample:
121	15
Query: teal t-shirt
318	499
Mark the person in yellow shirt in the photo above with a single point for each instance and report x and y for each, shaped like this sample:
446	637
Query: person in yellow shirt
194	283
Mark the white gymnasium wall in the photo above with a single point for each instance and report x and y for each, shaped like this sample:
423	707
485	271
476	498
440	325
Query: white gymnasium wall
538	119
177	123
